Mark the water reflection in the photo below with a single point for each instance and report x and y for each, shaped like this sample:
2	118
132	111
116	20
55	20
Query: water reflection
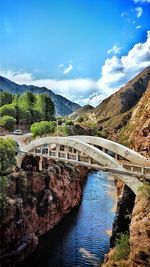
82	238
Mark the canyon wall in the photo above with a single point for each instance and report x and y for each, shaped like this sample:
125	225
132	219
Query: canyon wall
37	202
133	249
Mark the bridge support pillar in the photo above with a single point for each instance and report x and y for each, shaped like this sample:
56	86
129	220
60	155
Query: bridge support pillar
40	164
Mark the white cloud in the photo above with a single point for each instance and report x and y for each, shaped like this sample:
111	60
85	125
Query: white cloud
118	70
124	14
138	27
142	1
138	11
114	50
94	100
68	69
61	65
18	77
70	88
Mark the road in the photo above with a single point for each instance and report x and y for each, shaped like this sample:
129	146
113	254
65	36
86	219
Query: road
20	138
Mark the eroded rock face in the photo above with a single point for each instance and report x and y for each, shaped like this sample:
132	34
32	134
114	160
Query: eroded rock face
123	213
44	198
140	125
139	240
140	233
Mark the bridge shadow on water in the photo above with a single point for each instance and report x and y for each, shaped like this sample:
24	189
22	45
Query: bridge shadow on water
81	239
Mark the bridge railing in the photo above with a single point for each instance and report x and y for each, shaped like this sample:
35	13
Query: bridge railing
76	156
69	154
136	168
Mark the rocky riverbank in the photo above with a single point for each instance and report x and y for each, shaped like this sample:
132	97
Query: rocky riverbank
133	247
36	202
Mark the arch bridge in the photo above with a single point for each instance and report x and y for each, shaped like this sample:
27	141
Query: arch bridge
92	152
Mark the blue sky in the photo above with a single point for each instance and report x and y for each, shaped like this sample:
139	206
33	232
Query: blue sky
74	46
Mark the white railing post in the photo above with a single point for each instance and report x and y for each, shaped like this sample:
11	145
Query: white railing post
116	156
132	169
66	150
89	161
57	151
77	156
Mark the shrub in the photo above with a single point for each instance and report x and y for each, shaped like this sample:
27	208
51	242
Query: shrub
144	190
42	128
7	122
100	133
69	122
3	197
122	247
8	149
8	109
80	119
3	191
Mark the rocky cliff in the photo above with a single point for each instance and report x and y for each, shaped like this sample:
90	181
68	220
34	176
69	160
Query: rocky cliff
137	130
132	248
125	98
140	231
130	125
36	202
125	116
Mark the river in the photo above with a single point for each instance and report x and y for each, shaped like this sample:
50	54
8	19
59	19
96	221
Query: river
82	238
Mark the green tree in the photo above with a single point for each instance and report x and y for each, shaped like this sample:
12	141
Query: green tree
5	98
8	109
7	160
46	106
8	149
17	109
27	102
3	197
42	128
7	122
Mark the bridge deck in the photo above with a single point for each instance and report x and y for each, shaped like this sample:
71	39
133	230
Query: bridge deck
129	168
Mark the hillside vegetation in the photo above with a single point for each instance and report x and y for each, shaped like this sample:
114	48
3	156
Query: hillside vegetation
63	106
24	109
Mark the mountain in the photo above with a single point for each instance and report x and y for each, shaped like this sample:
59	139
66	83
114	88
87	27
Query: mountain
63	106
137	130
125	115
81	110
125	98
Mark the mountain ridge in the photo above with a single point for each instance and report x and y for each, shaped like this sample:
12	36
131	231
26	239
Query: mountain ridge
125	98
127	120
63	106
